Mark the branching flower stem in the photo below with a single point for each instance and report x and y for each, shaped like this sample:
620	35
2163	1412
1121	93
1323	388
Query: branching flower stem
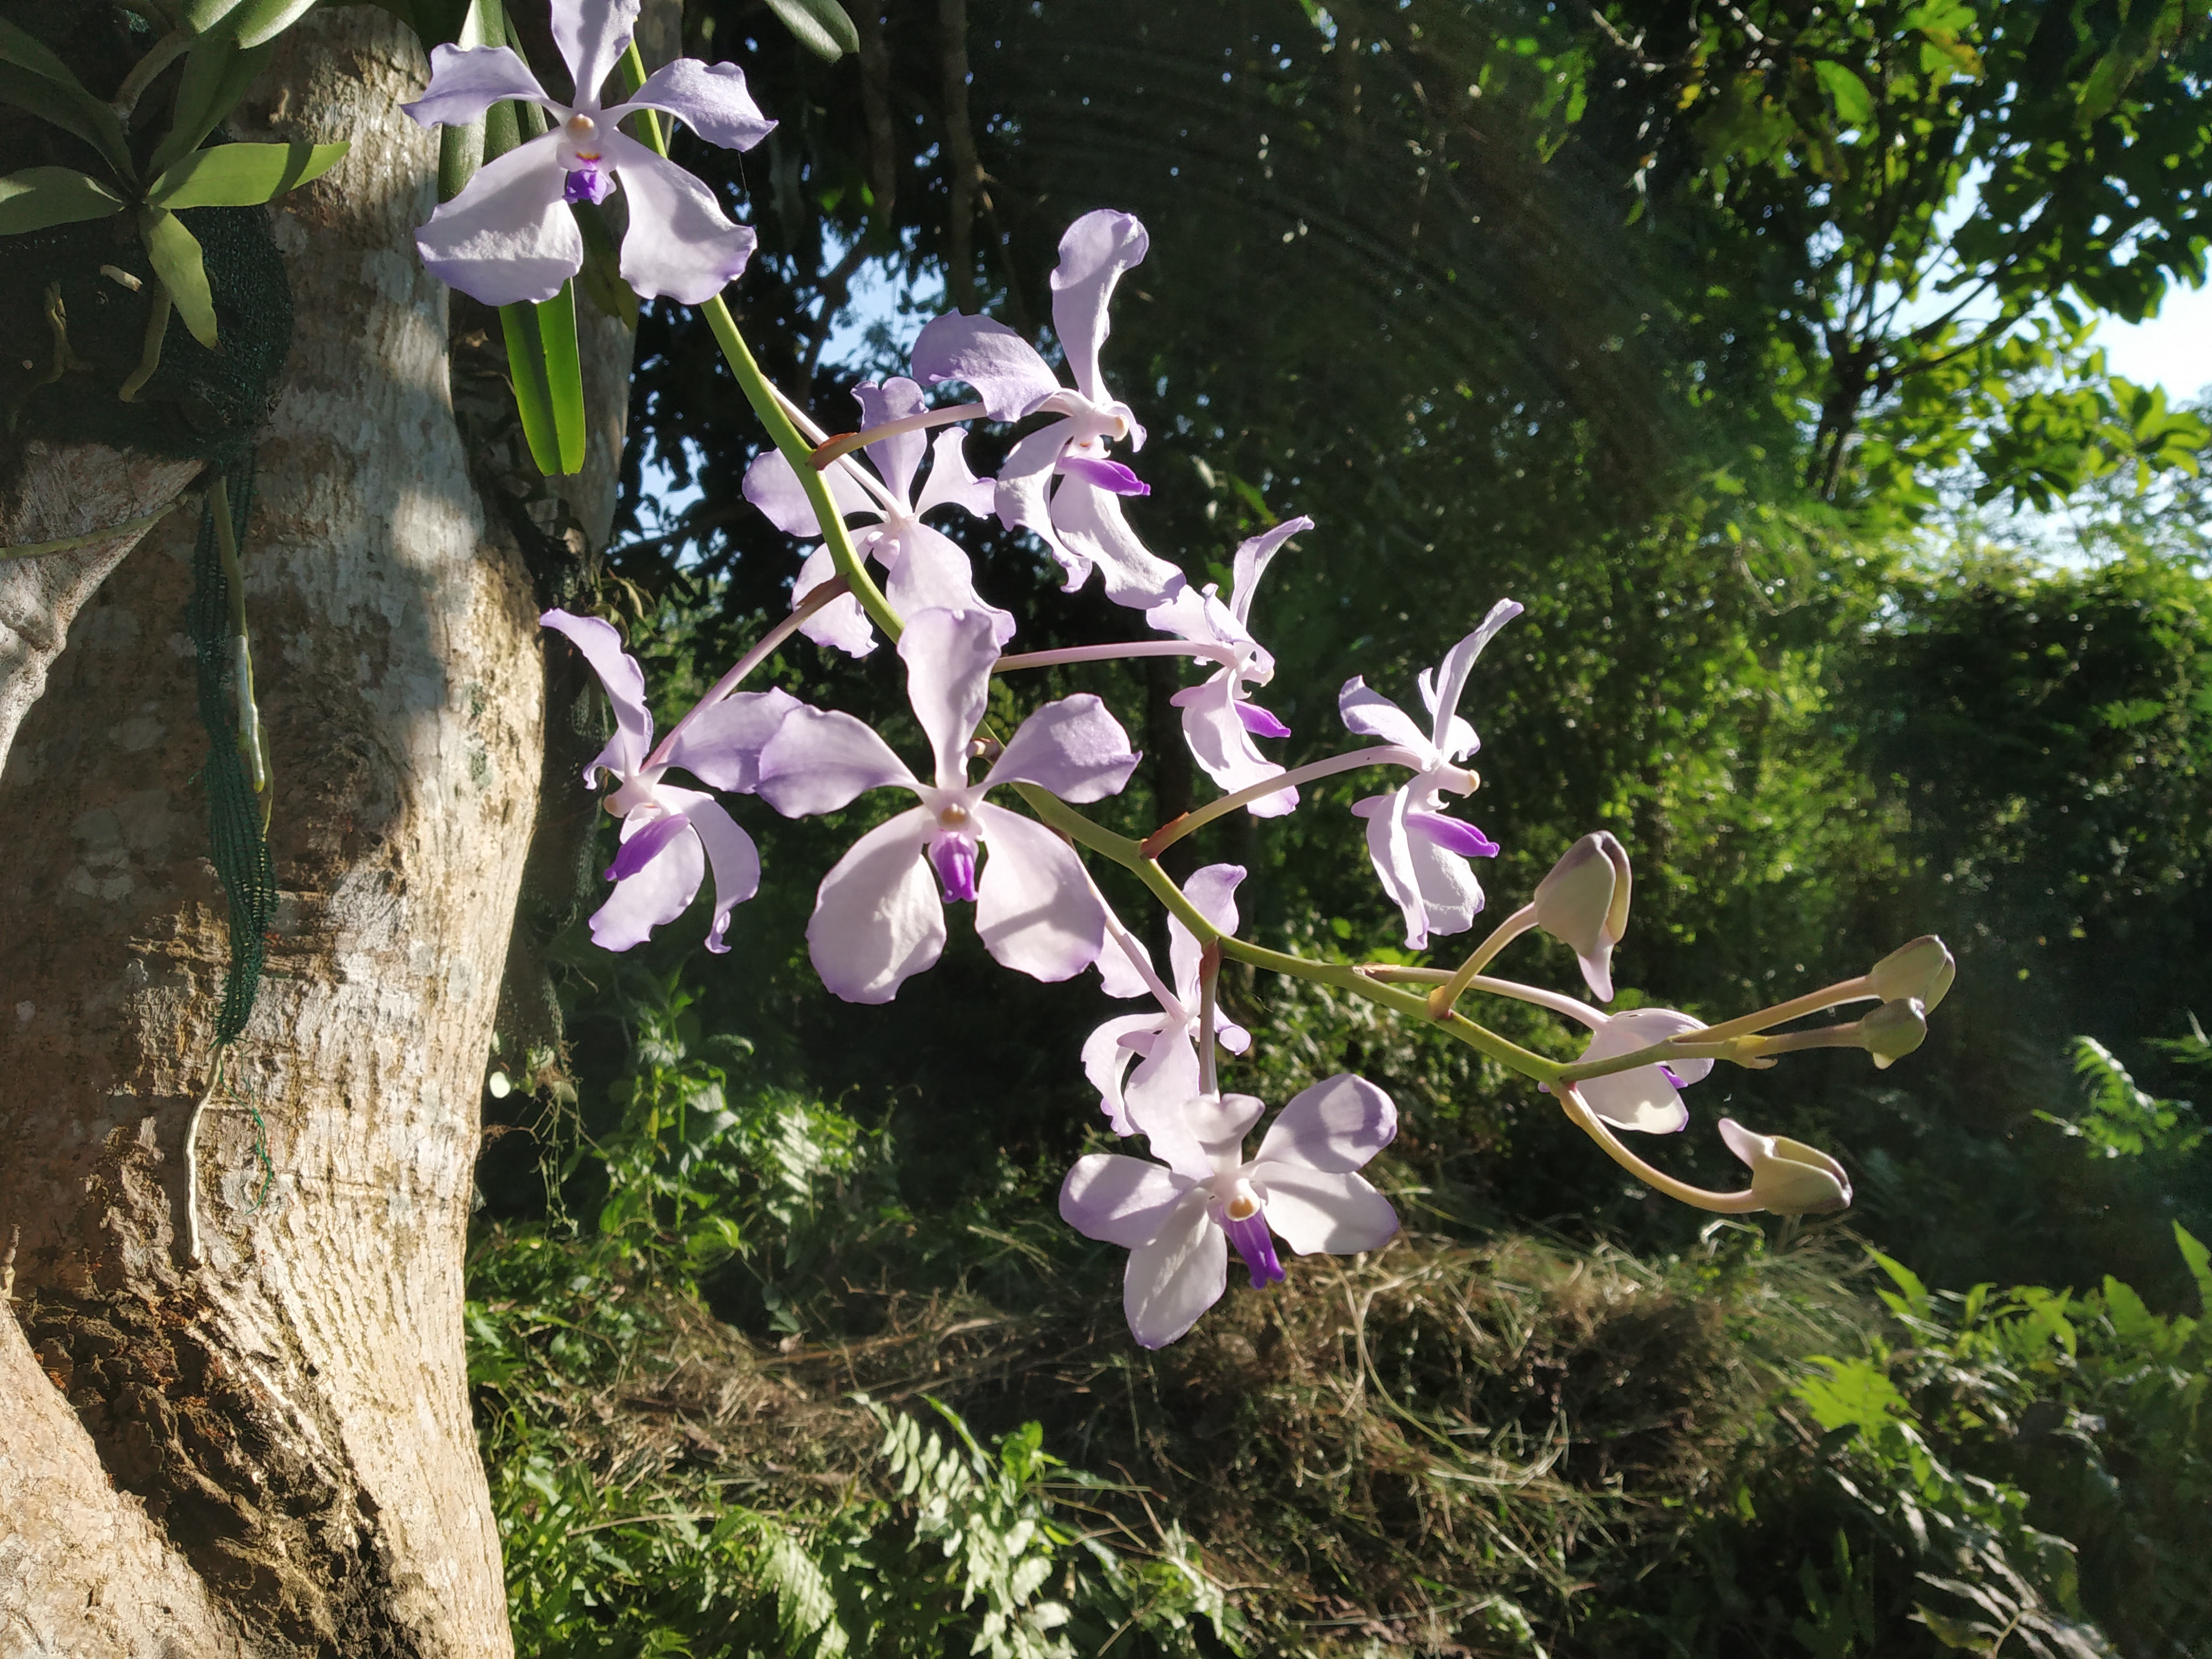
1580	1115
1381	754
762	649
846	442
1442	999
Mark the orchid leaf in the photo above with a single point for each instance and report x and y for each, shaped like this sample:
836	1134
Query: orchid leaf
65	105
240	175
39	196
217	75
820	26
175	252
256	23
548	378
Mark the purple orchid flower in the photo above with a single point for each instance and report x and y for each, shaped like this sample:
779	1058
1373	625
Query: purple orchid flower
1178	1222
926	571
1420	853
1060	481
879	917
1649	1098
509	235
670	835
1218	722
1146	1065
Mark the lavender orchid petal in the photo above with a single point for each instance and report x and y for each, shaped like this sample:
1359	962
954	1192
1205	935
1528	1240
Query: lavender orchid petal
658	893
1371	715
1106	1061
680	244
897	458
1451	835
1220	741
1251	560
508	236
1338	1124
1090	526
1109	476
721	748
950	482
1259	723
710	99
1212	891
1118	975
841	623
1119	1200
1072	747
1022	493
643	839
1389	848
1452	681
772	486
1004	370
624	682
932	573
1646	1098
1177	1274
1450	895
1316	1213
1035	910
820	759
948	656
877	920
729	852
466	81
592	35
1093	253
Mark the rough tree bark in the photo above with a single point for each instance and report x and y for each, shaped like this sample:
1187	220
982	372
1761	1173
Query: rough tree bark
267	1450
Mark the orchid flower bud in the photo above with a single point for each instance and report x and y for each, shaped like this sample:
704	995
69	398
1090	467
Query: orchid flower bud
1922	970
1584	903
1893	1031
1787	1177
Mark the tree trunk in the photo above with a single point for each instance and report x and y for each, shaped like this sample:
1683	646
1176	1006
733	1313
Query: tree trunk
267	1448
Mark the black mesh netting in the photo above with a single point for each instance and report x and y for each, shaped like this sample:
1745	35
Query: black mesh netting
76	334
239	849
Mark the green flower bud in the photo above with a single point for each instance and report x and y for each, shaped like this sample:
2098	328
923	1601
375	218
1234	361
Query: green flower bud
1787	1177
1922	970
1893	1031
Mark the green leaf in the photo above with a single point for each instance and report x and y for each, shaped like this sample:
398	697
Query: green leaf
257	22
604	285
240	175
39	196
547	377
68	107
2200	1264
175	252
217	75
820	26
1854	103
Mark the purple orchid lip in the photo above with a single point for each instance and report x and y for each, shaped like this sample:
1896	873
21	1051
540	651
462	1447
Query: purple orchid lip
1257	1247
589	183
642	848
1110	475
1669	1073
954	860
1452	834
1259	723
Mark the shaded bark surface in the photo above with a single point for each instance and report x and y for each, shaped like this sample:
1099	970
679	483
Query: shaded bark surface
267	1448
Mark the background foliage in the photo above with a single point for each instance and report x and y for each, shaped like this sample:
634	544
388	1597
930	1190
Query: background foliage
1751	348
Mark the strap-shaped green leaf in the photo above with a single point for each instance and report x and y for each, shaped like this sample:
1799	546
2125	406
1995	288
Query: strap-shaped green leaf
240	175
175	252
39	196
549	379
257	22
217	75
23	49
68	107
820	26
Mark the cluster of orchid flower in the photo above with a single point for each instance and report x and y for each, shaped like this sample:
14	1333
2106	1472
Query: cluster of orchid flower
879	914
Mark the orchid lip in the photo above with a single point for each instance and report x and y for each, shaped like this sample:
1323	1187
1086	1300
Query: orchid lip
953	857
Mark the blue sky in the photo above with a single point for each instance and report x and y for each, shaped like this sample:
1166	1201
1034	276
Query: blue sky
2174	350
